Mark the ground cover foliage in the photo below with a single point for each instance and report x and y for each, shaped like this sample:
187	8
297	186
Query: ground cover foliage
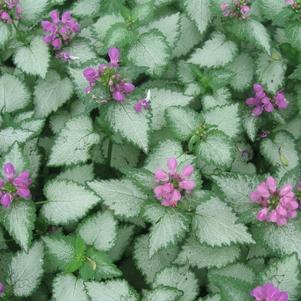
149	150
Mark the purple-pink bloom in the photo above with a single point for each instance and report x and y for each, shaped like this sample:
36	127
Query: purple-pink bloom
172	184
2	289
108	76
114	55
261	102
143	103
278	205
14	186
239	9
10	10
60	31
268	292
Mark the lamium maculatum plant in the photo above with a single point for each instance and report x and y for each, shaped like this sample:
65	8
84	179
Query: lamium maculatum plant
150	150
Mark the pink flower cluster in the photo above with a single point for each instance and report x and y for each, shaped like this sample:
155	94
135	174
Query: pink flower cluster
10	10
239	9
143	103
171	184
268	292
60	30
279	205
294	4
2	289
13	186
263	103
109	78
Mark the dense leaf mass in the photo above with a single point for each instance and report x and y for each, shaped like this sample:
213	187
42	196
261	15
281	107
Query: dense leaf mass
149	150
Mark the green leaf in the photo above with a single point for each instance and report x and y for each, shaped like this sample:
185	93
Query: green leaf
69	288
150	50
4	33
182	121
284	240
104	23
165	150
215	52
186	75
188	38
243	69
217	149
121	196
168	25
99	231
60	250
98	266
3	244
236	271
79	255
11	88
67	201
162	99
33	59
33	157
251	125
168	227
16	157
180	278
216	225
31	10
111	290
130	124
293	34
258	33
149	267
26	269
202	256
119	36
162	293
225	118
19	221
271	71
280	151
123	239
285	275
79	174
237	189
271	8
81	51
199	12
85	8
234	282
51	93
218	98
10	135
76	138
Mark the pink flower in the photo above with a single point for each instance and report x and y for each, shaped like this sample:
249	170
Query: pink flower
239	9
262	103
114	55
60	31
225	8
2	289
278	205
143	103
245	9
108	76
290	2
171	184
268	292
10	10
14	186
280	100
